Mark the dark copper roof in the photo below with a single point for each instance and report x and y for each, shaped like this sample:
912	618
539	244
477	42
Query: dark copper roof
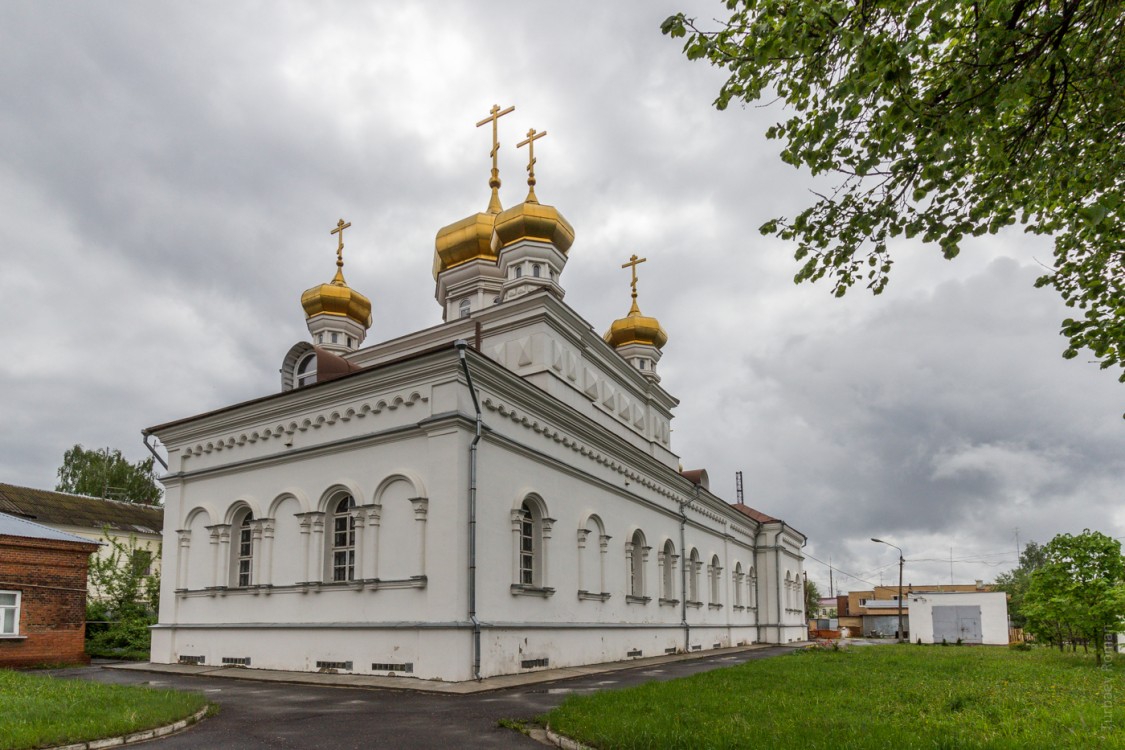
63	509
757	515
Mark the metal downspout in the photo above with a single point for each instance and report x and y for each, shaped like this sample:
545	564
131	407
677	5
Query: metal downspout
683	573
152	450
777	577
461	345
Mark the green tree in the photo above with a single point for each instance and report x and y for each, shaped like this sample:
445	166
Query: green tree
1078	591
812	599
126	589
944	119
106	473
1015	582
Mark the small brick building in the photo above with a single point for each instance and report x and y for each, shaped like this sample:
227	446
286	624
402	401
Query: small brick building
42	594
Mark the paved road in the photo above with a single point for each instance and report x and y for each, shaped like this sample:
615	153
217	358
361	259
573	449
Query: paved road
256	715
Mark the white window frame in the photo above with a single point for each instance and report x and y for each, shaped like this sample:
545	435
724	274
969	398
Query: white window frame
345	571
693	575
531	530
668	573
716	574
244	552
636	554
14	631
305	372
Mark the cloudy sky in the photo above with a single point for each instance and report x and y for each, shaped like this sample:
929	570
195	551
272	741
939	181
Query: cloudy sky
169	173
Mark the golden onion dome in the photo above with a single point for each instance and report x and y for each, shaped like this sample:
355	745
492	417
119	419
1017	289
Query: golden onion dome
635	328
337	298
532	220
466	240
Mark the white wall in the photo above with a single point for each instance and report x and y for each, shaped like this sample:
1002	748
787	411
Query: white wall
993	613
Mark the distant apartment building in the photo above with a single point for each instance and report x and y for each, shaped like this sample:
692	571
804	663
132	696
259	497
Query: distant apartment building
874	612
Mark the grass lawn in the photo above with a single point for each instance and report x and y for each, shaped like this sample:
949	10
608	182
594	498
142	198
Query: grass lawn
41	711
896	697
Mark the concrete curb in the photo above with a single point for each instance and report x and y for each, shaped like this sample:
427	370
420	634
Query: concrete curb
565	742
142	736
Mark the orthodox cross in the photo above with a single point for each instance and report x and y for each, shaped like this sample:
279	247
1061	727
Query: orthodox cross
340	227
532	137
495	114
634	261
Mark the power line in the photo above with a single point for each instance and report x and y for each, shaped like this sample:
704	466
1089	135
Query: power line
838	570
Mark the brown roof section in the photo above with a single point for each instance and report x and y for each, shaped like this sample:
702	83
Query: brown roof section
757	515
330	366
64	509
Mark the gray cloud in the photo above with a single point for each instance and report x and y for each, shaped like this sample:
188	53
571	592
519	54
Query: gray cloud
170	174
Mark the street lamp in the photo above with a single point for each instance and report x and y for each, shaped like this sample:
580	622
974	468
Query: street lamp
901	631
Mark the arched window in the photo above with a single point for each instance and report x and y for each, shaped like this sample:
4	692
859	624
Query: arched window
531	528
463	308
753	598
306	370
716	580
528	545
343	540
737	581
518	272
592	544
242	548
668	571
536	270
788	590
635	553
693	576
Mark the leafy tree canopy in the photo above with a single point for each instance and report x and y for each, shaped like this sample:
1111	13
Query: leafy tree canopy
812	599
945	119
1016	581
106	473
1078	591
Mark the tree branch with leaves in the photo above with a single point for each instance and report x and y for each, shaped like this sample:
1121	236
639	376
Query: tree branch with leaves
944	119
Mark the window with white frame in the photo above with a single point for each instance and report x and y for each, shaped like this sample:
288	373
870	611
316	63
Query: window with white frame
9	613
693	576
306	370
343	539
738	584
244	551
716	580
753	597
668	574
464	308
531	529
636	563
527	546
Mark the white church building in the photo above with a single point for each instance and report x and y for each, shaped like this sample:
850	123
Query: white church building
491	495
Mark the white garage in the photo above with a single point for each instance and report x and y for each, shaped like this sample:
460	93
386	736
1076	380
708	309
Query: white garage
979	617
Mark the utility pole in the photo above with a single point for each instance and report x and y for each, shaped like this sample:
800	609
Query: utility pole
738	487
901	630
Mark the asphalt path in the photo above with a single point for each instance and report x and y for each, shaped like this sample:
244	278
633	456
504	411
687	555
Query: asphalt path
255	715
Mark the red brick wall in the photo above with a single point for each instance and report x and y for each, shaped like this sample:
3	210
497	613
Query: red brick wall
51	578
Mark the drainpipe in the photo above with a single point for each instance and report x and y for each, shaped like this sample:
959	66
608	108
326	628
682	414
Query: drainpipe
683	573
461	345
777	577
152	449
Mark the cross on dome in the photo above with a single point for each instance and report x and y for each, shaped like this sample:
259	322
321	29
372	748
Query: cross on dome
340	227
634	261
494	181
532	137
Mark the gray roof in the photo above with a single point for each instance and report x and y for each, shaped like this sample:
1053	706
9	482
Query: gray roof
15	526
95	513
